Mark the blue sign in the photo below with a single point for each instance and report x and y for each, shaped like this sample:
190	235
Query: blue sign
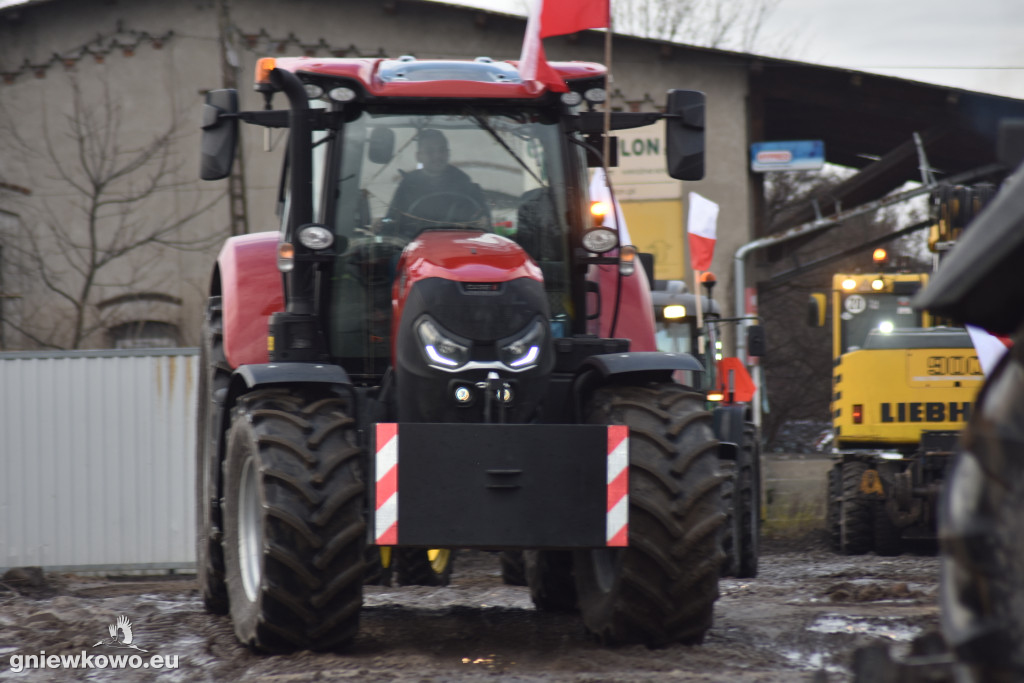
792	155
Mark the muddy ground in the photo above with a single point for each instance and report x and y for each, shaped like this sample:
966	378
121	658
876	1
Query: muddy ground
799	620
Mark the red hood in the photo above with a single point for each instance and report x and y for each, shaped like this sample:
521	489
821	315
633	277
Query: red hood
465	256
459	255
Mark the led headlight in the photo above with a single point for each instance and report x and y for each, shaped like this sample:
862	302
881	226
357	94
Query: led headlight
313	90
595	95
315	237
441	350
571	98
342	94
674	312
600	240
523	351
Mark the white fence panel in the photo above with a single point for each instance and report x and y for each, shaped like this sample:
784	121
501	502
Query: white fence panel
97	459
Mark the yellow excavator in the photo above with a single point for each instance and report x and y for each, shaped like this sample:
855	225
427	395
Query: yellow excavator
903	386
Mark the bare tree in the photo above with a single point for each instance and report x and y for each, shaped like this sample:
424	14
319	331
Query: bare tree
101	226
725	24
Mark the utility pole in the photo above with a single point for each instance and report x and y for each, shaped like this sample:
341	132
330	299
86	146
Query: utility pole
229	63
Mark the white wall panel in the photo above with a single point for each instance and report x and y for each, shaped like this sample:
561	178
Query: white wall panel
97	459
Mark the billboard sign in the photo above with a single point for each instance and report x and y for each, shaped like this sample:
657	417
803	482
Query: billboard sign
792	155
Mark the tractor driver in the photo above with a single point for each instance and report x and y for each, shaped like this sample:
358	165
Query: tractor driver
437	194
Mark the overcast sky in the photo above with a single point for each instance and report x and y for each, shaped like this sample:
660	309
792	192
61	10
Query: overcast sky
972	44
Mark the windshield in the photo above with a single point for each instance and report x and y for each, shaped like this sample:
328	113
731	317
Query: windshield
398	174
674	337
863	313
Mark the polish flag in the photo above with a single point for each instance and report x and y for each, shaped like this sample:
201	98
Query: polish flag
556	18
701	226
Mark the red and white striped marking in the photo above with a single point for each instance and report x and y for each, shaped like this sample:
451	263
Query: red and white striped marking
385	526
617	521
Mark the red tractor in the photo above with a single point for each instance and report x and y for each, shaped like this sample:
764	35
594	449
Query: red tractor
406	365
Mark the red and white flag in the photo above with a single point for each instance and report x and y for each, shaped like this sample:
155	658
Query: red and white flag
989	347
701	225
556	18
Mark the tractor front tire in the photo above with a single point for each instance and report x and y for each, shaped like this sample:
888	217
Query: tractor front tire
295	533
214	376
662	588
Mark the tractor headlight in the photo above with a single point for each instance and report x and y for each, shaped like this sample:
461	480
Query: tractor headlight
342	94
315	237
441	349
600	240
522	352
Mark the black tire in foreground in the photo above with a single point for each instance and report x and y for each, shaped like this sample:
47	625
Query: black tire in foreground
214	376
295	533
662	588
422	567
981	524
856	518
549	574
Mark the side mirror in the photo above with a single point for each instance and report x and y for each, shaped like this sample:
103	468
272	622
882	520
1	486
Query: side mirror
220	134
816	310
756	345
382	145
684	132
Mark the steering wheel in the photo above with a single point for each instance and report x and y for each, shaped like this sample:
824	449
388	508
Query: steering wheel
456	207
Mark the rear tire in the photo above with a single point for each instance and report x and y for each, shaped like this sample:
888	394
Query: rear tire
513	567
747	499
855	511
379	565
422	567
888	536
834	504
294	528
731	532
549	574
214	376
662	588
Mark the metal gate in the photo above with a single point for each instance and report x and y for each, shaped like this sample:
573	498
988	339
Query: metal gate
96	459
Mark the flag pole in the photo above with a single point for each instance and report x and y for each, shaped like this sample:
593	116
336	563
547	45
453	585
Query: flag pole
607	91
700	312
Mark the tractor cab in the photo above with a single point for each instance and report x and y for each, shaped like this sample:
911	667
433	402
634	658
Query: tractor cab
491	176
